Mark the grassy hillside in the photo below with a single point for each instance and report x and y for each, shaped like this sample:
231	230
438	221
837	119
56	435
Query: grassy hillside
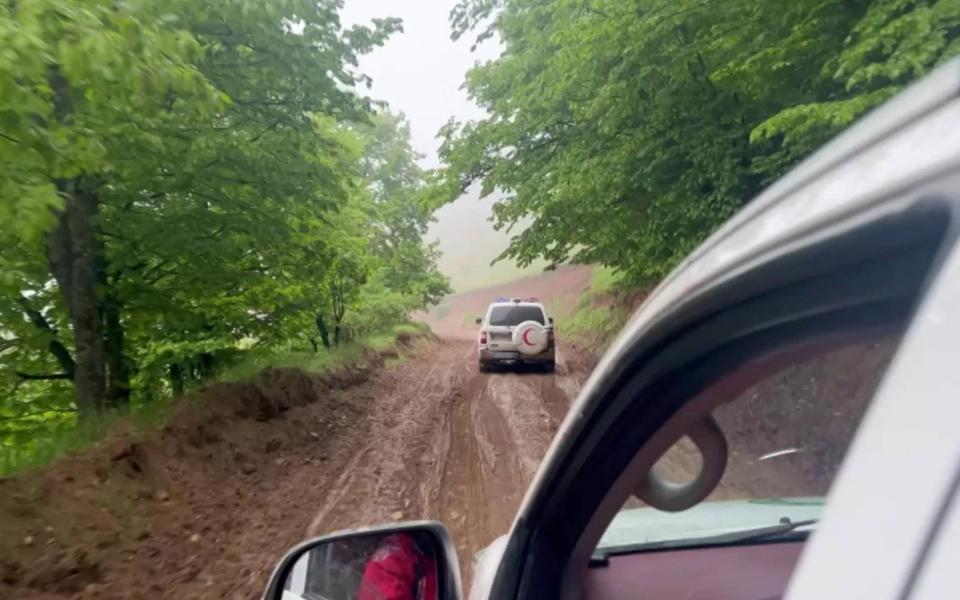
469	244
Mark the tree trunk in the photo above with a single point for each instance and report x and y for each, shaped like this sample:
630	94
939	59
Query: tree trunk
313	342
56	347
118	366
176	378
72	249
324	331
206	365
72	255
339	308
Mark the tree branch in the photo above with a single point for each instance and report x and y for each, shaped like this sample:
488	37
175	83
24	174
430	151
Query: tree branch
42	376
257	137
56	347
11	139
38	413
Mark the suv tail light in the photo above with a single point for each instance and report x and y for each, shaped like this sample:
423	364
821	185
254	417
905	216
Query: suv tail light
483	337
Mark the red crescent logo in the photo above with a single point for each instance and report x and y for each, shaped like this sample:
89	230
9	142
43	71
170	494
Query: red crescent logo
525	340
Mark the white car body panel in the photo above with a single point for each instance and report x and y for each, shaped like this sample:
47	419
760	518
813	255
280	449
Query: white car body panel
485	568
881	502
940	577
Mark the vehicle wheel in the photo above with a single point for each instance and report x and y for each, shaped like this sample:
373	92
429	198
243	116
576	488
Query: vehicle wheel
484	368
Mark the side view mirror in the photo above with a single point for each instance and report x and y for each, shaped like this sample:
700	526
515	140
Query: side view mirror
550	319
370	564
479	320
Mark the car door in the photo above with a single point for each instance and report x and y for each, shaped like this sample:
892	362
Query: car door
857	241
936	574
891	527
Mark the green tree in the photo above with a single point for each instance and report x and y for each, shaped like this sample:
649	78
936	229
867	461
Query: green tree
626	131
400	210
156	162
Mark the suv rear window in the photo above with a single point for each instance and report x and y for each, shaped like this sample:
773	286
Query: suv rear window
514	315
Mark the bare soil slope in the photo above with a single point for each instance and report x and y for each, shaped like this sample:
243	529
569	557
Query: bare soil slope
454	317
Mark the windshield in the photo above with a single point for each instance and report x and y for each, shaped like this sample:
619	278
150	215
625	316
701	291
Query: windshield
787	436
514	315
245	244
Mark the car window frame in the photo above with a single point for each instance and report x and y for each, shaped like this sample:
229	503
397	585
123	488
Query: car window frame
887	517
533	548
935	575
543	313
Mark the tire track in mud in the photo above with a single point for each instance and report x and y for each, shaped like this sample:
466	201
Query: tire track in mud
451	444
483	481
384	481
499	434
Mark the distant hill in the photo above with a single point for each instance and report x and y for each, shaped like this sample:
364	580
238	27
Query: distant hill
454	317
469	243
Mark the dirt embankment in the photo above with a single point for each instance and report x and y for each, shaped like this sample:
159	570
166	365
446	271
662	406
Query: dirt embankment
197	509
204	508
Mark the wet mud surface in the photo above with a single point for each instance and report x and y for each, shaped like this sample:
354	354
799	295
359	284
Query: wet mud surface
205	509
451	444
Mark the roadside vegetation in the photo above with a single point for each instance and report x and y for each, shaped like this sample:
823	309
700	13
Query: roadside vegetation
347	354
190	191
625	131
61	435
591	320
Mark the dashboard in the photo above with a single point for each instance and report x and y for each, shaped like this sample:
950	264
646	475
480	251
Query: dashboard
743	572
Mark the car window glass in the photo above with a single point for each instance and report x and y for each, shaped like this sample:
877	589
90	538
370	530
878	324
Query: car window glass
514	315
787	436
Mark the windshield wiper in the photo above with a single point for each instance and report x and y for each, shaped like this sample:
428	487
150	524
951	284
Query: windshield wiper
784	527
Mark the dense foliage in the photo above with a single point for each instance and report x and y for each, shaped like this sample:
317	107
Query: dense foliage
182	181
627	130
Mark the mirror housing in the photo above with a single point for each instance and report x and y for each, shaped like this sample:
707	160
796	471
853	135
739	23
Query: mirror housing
479	320
444	554
550	319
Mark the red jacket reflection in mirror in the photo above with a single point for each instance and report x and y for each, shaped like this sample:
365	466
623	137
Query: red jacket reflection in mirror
399	570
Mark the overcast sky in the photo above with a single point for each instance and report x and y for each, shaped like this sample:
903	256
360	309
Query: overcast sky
419	73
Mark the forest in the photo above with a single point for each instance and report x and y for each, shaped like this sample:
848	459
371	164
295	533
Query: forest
623	132
188	183
184	183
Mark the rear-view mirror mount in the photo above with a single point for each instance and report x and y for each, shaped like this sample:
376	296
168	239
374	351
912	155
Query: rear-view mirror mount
364	563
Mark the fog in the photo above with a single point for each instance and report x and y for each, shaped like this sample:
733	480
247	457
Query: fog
419	73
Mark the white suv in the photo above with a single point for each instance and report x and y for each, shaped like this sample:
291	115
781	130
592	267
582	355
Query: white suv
516	331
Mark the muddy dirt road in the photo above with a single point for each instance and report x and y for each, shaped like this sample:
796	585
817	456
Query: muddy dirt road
452	444
205	507
204	510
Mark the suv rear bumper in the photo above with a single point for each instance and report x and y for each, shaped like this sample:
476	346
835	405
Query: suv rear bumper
487	357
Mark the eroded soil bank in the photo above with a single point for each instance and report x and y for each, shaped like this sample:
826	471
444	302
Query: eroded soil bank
203	508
